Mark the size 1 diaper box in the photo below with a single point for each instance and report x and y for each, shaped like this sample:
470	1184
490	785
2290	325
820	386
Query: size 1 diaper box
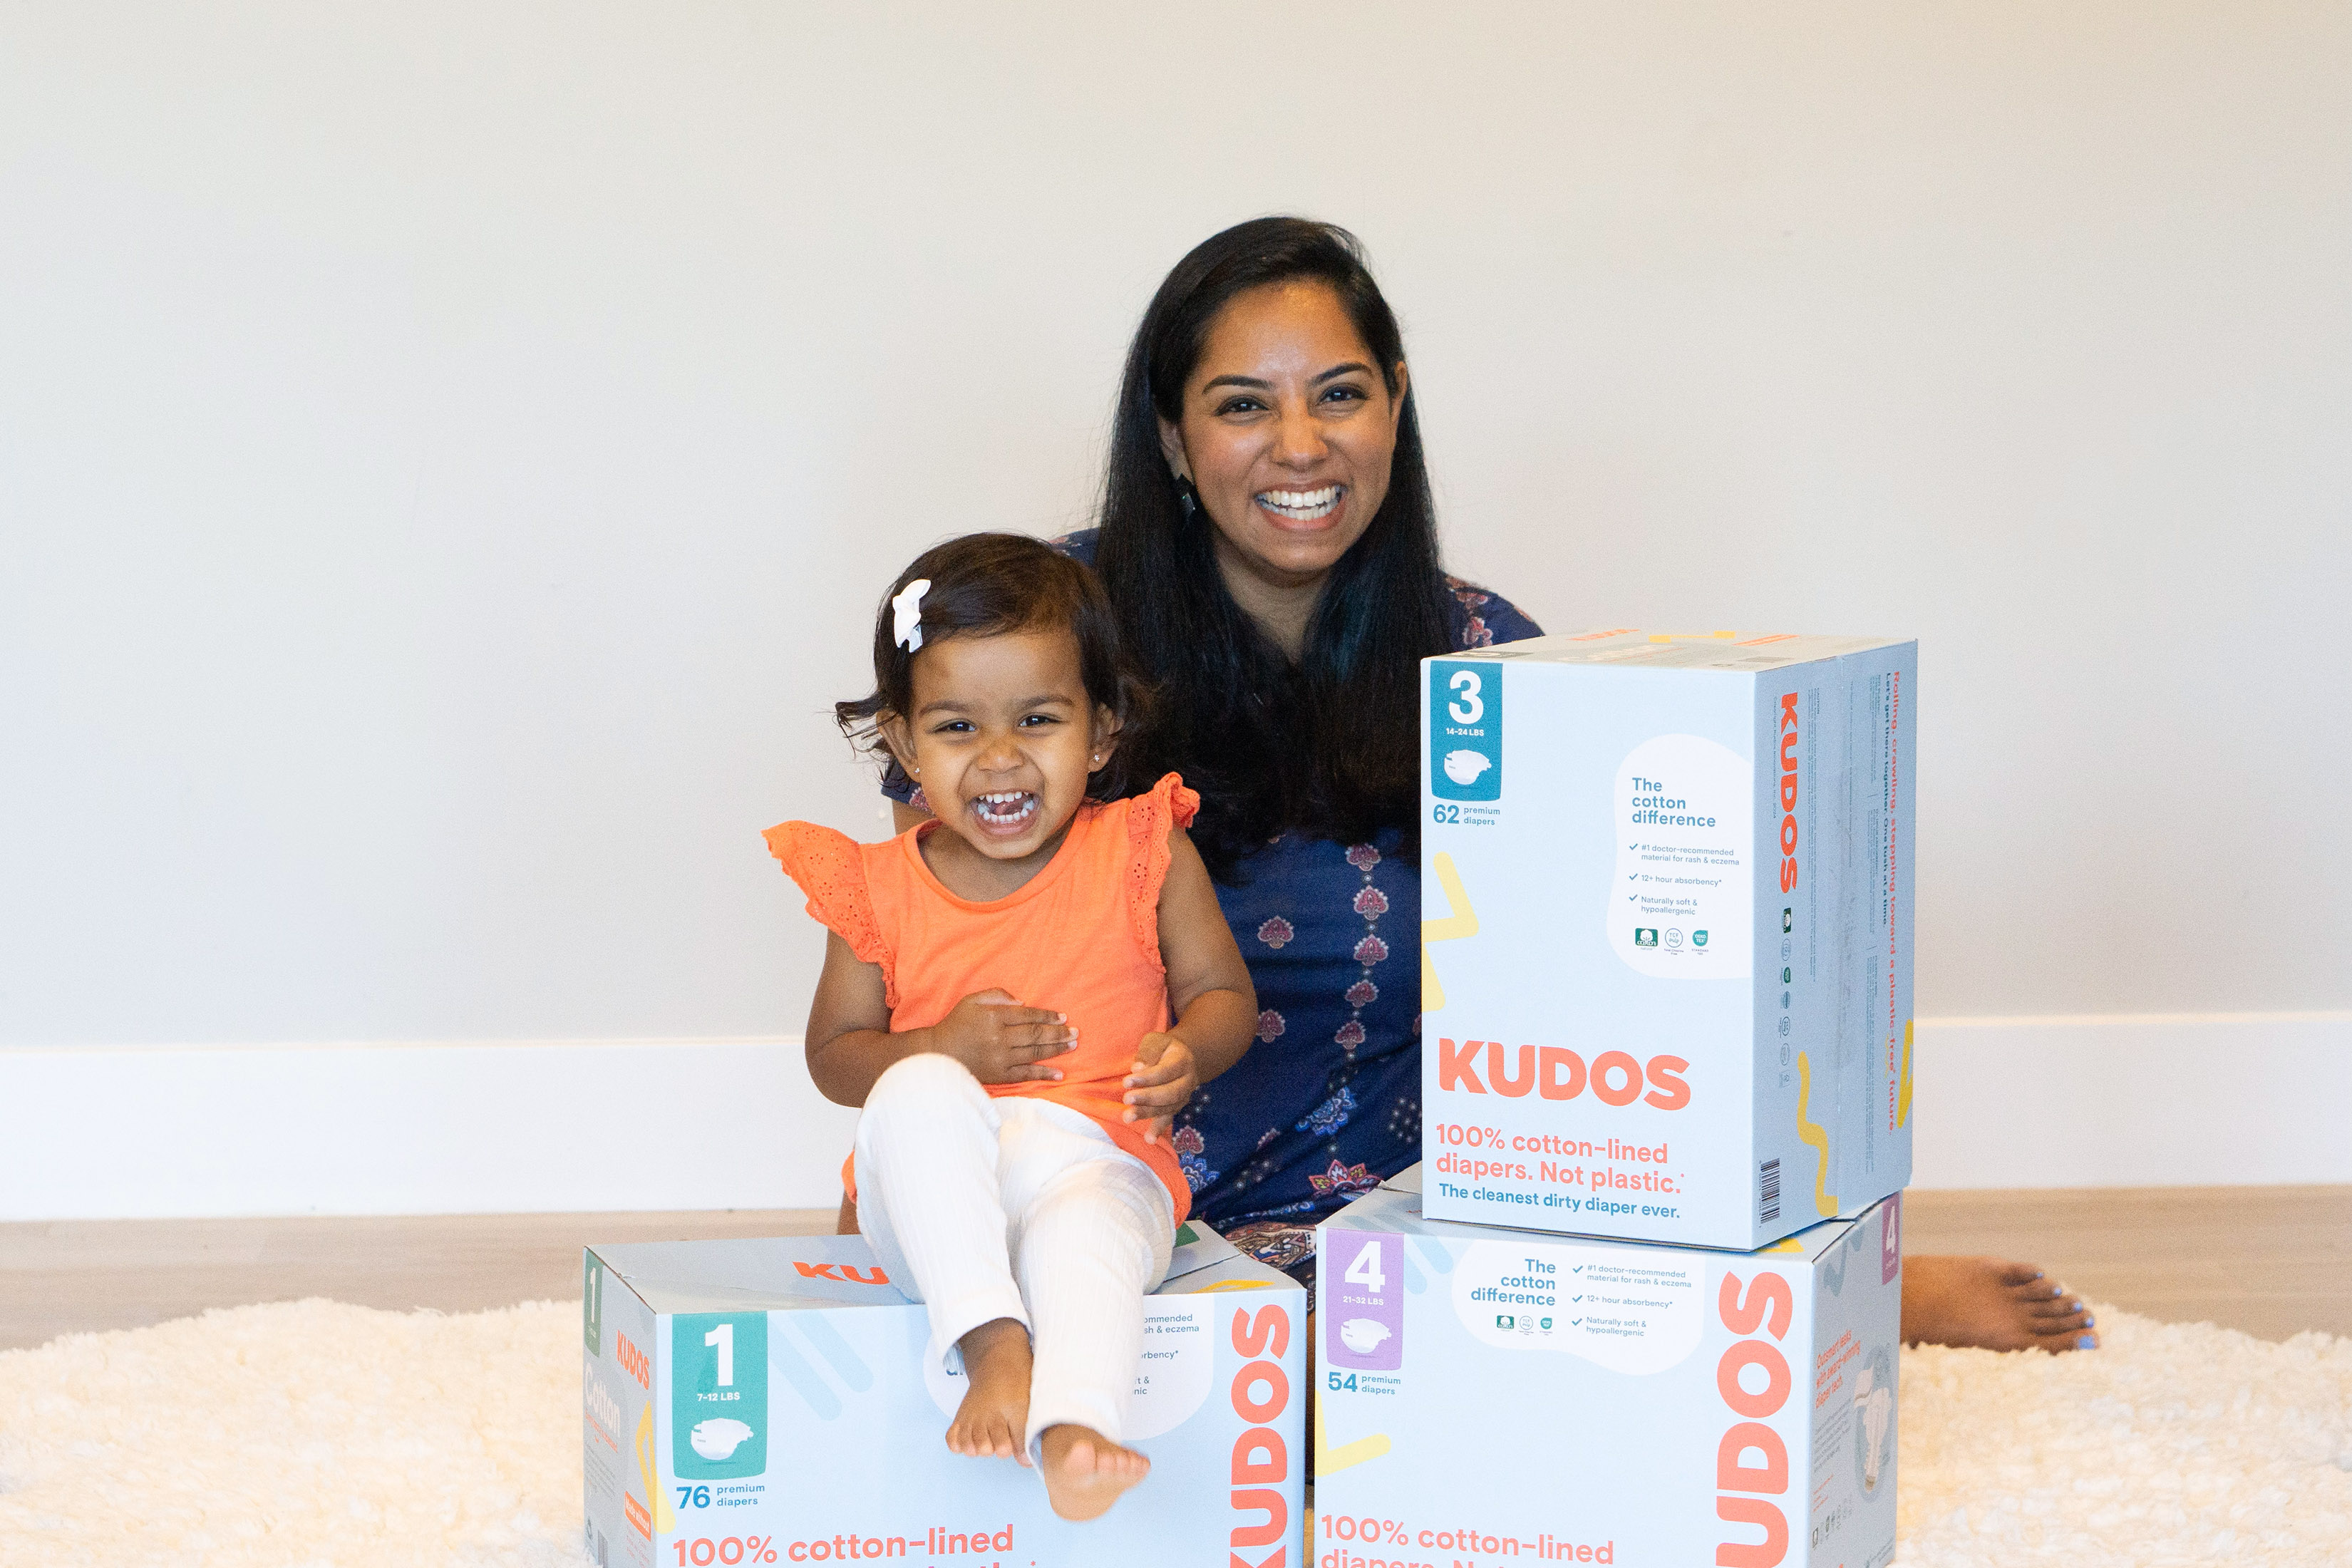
1667	933
770	1402
1489	1396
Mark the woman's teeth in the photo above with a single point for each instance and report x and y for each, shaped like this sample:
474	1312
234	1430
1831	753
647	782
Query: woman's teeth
1006	808
1301	506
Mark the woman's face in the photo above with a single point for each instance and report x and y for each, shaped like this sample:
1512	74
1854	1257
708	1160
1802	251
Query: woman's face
1287	431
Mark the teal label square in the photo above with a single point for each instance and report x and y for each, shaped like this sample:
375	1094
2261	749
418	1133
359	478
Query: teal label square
592	1304
1465	729
719	1395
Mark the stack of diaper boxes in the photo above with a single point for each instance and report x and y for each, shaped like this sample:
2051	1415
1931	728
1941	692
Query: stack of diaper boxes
1640	1303
757	1402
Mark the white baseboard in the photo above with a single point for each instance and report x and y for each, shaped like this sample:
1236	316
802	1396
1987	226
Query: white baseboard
577	1126
504	1128
2152	1100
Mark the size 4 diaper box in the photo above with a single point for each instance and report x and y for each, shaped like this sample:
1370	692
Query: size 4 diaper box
1489	1396
1667	933
769	1401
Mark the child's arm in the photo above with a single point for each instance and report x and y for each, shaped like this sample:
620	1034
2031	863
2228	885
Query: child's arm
850	1042
1209	991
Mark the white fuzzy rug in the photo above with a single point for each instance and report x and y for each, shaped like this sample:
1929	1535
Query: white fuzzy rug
316	1433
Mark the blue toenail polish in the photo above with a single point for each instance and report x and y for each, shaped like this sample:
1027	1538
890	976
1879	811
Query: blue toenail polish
2089	1322
2088	1343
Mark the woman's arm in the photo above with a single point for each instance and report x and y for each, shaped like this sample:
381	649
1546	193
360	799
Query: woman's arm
851	1043
1209	991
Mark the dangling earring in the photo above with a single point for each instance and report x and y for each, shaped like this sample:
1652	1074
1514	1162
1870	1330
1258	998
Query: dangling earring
1188	495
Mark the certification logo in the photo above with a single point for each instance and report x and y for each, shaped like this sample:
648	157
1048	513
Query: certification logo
1465	730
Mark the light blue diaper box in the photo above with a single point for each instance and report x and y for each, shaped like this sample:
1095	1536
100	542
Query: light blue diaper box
1490	1397
769	1401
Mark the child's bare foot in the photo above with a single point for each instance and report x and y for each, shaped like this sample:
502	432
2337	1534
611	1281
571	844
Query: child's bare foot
1992	1304
1085	1471
994	1414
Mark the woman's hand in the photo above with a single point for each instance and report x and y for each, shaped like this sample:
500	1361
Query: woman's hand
1001	1041
1160	1084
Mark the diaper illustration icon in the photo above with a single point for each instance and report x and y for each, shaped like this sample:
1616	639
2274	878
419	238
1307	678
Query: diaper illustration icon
716	1439
1364	1335
1464	766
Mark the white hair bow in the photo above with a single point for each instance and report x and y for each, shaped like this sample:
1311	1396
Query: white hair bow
906	614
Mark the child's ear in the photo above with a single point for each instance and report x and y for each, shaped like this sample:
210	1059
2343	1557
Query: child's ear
1104	740
899	737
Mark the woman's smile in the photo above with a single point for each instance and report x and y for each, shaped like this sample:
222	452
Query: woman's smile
1296	507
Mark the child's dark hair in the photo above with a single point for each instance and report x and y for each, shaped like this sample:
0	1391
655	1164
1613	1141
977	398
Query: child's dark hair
987	585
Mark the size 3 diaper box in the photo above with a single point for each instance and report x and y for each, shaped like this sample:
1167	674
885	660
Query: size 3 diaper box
1667	933
1489	1396
769	1401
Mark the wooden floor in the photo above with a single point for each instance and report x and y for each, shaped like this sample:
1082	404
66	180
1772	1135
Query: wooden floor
2269	1261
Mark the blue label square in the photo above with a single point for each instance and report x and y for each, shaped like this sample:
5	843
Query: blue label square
1465	730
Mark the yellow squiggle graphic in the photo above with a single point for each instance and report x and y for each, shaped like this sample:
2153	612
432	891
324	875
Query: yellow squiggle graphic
1813	1132
664	1517
1462	923
1346	1455
1903	1091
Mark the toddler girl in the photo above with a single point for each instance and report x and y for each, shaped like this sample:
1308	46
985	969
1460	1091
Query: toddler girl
997	993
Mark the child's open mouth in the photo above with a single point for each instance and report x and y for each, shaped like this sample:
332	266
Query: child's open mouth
1004	811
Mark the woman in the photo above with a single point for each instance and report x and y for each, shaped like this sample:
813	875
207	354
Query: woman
1269	539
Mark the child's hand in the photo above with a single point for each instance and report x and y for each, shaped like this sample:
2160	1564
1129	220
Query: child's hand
1160	1085
1001	1041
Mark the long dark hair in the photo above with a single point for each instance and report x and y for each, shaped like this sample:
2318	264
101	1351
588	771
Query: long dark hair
1328	746
985	585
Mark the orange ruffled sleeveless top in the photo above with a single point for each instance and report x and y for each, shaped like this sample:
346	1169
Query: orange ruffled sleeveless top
1082	937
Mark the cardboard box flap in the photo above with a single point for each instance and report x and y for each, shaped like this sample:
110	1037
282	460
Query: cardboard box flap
805	1273
1735	653
1395	1204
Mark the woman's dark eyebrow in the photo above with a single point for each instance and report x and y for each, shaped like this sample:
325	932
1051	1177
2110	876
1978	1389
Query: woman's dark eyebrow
1254	383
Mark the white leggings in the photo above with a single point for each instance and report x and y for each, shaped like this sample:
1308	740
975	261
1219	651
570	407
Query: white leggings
962	1196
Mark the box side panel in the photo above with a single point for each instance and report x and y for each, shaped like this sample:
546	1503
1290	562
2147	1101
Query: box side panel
1538	1396
621	1480
1587	962
1850	1486
1804	1057
1882	750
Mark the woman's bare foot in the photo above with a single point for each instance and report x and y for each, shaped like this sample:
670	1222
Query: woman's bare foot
994	1414
1085	1471
1988	1303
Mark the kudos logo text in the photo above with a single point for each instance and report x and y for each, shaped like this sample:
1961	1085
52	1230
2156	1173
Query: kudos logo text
1747	1490
1261	1393
1555	1072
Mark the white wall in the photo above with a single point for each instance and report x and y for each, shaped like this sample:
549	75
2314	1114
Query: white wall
448	454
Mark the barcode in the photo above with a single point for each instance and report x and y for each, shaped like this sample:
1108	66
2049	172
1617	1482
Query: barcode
1767	1197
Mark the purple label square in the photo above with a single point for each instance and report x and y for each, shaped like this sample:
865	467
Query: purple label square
1890	1240
1361	1276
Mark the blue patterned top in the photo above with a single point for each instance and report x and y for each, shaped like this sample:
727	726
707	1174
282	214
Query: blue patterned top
1327	1101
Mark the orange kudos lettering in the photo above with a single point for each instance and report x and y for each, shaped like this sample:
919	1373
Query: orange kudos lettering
1261	1393
638	1517
845	1272
633	1362
1787	792
1555	1072
1747	1490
